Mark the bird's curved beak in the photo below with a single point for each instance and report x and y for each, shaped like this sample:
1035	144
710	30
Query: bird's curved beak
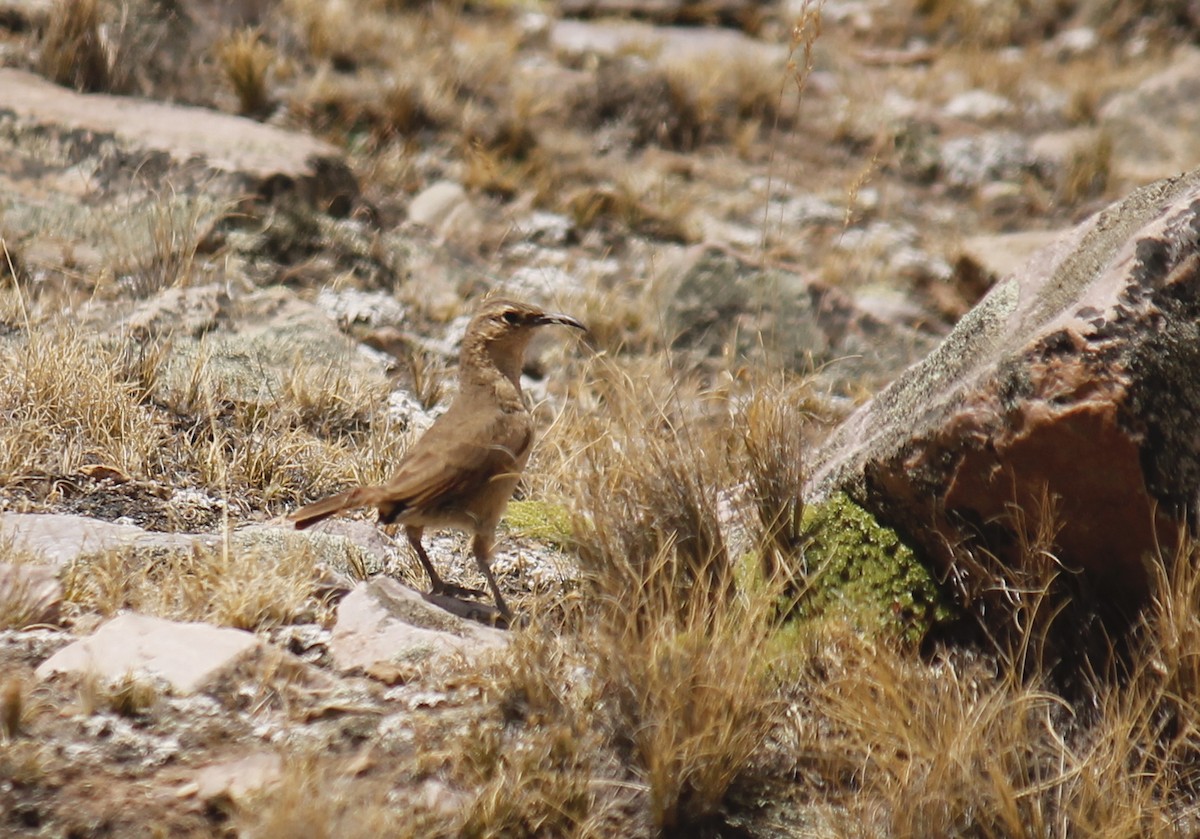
565	320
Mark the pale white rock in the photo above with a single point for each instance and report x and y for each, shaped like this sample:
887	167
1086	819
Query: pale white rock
979	106
355	306
384	622
58	539
238	778
187	656
1072	43
667	44
435	204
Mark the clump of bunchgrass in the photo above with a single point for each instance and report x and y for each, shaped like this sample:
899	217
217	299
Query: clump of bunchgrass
131	695
74	52
684	651
771	427
324	796
99	46
232	584
67	405
649	509
14	708
246	61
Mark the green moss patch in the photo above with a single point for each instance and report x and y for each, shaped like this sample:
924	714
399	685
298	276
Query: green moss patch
859	570
538	520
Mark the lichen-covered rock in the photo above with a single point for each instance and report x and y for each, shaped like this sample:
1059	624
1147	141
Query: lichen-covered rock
1076	381
861	571
92	179
720	303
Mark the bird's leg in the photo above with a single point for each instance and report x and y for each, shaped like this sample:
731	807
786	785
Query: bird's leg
437	584
482	548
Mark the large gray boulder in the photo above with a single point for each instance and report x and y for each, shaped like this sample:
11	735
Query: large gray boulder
91	180
1076	379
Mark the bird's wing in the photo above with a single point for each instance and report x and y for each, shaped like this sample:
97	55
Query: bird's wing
458	455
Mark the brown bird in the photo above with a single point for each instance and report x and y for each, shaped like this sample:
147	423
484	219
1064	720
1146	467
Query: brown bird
463	470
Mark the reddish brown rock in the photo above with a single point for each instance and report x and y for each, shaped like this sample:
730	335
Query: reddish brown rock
1078	377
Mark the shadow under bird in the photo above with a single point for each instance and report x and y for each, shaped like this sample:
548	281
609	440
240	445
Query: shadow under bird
461	473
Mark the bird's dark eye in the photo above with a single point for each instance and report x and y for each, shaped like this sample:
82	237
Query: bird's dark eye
512	317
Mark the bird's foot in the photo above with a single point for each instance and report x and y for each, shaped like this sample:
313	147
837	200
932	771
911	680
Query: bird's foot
469	609
452	590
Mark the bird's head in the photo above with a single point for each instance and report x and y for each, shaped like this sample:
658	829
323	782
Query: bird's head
501	330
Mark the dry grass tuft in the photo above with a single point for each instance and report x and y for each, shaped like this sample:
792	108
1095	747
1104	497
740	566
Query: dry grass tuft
664	659
694	698
771	425
74	52
246	62
643	705
322	797
535	784
100	46
1036	615
965	746
170	259
322	399
1088	172
985	743
945	751
324	430
14	708
66	406
647	512
244	588
129	696
429	374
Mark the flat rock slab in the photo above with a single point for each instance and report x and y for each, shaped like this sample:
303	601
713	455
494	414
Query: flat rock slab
382	622
57	540
1077	381
237	779
188	656
224	143
90	179
53	541
669	44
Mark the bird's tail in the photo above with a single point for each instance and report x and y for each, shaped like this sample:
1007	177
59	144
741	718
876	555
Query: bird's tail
310	514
